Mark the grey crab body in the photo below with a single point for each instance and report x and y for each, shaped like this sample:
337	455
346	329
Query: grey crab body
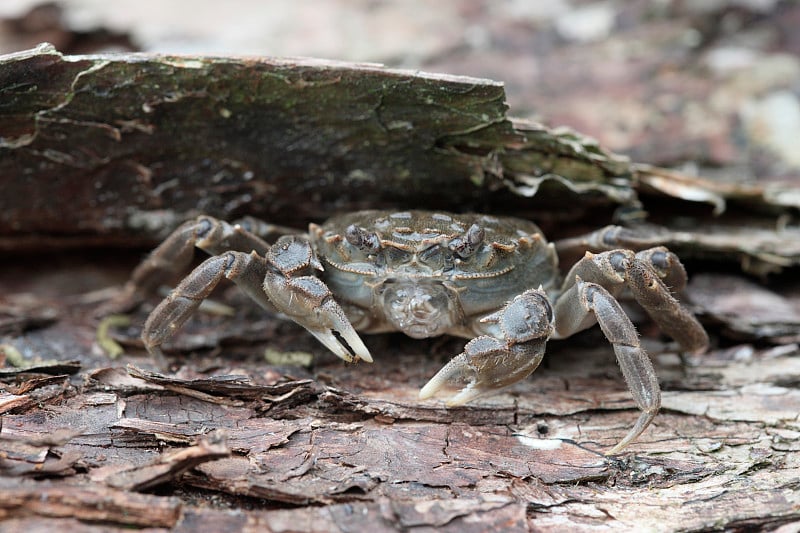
428	274
494	280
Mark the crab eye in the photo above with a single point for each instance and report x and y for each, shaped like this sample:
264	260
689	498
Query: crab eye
467	244
366	241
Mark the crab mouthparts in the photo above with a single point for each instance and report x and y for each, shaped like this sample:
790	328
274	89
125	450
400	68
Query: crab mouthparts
418	309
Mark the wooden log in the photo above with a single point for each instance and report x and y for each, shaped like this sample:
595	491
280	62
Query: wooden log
117	149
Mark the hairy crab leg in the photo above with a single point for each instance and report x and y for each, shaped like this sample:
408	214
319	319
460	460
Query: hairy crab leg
645	277
176	252
642	274
634	362
246	270
589	296
305	300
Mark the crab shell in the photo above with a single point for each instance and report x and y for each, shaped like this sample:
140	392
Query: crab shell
427	274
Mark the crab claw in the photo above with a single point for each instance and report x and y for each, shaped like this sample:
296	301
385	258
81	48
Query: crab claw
465	367
331	327
309	302
488	363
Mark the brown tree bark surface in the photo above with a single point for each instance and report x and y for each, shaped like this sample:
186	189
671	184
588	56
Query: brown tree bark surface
232	441
138	142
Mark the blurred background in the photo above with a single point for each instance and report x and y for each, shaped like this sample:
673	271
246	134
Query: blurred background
706	86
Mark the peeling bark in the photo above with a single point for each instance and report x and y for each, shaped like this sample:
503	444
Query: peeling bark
155	140
340	446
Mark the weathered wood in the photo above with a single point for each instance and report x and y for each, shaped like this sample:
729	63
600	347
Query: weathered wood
139	142
20	501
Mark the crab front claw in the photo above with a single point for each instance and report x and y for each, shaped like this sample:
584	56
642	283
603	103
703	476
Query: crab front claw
489	363
308	301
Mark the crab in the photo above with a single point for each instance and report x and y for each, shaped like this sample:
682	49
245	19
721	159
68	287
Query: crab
491	279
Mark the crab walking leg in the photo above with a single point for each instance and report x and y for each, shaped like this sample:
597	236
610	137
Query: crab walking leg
644	277
304	299
642	274
264	230
176	252
667	265
589	296
246	270
489	363
609	238
594	300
